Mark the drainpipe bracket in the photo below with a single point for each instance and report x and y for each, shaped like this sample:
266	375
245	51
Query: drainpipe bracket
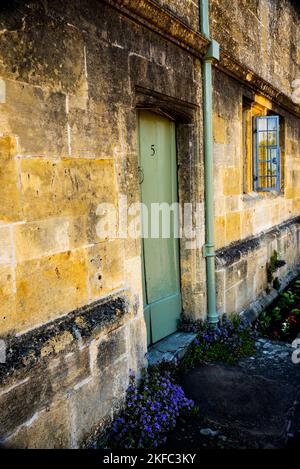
208	250
213	51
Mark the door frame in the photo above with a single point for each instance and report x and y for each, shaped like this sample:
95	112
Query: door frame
178	256
190	184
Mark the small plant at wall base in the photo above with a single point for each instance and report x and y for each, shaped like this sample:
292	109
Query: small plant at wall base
151	409
231	339
272	266
281	321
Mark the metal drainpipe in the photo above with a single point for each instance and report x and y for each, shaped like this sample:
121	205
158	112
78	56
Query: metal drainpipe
209	248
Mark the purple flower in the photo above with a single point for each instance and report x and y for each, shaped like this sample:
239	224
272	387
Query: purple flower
152	407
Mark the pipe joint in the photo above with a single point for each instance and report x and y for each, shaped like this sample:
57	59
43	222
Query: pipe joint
209	250
213	51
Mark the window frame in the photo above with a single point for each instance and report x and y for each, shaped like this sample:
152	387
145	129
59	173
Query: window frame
258	185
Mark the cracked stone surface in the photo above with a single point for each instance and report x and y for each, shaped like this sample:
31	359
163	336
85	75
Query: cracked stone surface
254	404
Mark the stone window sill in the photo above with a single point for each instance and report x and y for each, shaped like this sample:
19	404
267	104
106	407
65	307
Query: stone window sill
256	196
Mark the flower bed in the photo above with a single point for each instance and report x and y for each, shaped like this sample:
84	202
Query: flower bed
151	410
154	404
281	321
231	339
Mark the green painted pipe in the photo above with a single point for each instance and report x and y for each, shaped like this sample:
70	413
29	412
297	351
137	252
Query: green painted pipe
204	18
209	251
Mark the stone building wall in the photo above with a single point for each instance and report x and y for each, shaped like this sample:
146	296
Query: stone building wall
72	79
240	214
186	10
249	226
261	34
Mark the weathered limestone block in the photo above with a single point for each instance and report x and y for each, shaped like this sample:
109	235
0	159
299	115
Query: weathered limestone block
242	267
103	80
221	287
233	203
48	429
37	117
105	266
68	369
231	181
254	266
275	213
92	132
49	369
52	61
238	25
262	219
226	104
186	10
49	287
223	155
8	300
78	231
48	236
10	206
148	74
260	280
236	273
111	348
290	253
218	179
96	400
6	251
137	340
58	343
219	156
246	223
133	272
233	226
72	186
245	293
230	300
63	335
34	240
219	129
20	402
220	233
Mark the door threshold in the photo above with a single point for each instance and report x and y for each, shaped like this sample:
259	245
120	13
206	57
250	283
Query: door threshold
170	349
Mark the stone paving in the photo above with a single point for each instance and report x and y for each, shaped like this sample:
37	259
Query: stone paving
171	348
254	404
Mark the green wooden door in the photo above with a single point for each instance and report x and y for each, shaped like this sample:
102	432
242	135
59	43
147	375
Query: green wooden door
158	173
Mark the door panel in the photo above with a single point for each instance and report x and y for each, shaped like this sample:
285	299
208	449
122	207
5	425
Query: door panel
164	316
161	254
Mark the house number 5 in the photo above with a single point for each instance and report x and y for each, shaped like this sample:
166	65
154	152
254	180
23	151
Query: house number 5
153	151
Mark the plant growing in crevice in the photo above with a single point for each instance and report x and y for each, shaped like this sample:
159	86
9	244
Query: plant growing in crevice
272	266
276	283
